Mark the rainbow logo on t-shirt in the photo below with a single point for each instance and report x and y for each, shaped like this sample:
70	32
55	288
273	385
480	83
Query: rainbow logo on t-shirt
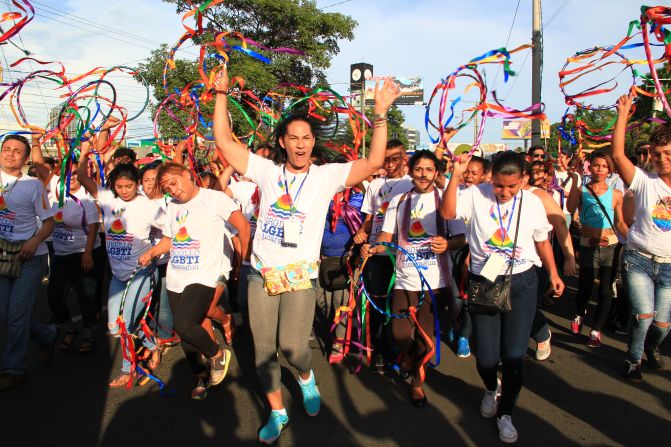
382	210
182	241
661	214
5	213
58	219
282	209
416	233
117	232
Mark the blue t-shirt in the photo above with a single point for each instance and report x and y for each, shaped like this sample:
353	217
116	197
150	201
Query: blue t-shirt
335	243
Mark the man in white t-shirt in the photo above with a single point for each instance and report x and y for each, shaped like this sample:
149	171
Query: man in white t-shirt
295	195
379	270
22	202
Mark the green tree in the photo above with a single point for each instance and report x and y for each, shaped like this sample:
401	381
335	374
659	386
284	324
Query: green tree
273	23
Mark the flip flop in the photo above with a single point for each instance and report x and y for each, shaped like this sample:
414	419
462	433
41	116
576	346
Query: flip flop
68	339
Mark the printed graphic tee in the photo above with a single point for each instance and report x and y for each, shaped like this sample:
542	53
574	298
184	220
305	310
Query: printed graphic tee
378	197
421	228
197	229
22	199
491	228
71	223
651	231
127	229
310	194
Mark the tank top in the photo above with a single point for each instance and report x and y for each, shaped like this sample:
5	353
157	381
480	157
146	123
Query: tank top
590	212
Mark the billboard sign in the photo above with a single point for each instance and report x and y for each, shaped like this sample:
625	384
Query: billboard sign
521	129
412	89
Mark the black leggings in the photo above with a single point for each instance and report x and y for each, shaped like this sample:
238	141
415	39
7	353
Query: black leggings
66	270
189	308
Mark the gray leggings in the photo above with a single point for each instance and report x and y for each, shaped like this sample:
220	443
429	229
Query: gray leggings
286	318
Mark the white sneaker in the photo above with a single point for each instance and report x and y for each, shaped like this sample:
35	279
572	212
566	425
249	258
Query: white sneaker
489	405
544	349
507	432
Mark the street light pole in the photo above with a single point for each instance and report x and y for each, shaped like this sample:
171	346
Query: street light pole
536	60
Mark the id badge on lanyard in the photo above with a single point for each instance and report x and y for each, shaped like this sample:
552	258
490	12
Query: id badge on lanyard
292	227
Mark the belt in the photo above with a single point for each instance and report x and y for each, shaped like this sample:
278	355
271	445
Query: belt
602	242
654	258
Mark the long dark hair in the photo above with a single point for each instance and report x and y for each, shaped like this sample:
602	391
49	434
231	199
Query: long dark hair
125	170
280	155
508	163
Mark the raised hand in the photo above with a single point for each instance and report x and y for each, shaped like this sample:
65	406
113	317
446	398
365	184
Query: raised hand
221	81
110	122
386	95
623	105
459	164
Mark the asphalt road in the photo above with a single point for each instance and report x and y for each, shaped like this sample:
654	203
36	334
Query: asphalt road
576	397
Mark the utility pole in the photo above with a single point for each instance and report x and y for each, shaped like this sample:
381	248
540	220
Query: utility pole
536	58
363	114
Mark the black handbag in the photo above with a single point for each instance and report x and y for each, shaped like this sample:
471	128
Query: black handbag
10	264
486	297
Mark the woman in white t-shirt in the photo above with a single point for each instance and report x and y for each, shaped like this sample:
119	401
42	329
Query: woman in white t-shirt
414	218
78	259
295	195
647	252
194	234
128	218
494	212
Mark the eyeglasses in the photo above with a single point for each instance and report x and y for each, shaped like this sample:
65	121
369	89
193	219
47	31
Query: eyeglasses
538	155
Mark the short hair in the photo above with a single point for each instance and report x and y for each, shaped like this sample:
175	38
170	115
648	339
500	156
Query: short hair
50	161
280	155
532	149
418	155
150	167
170	168
660	136
605	156
508	163
394	143
125	152
20	139
484	163
266	147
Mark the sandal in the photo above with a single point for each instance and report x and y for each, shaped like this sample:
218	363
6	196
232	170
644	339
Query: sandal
67	340
121	381
337	355
88	346
230	331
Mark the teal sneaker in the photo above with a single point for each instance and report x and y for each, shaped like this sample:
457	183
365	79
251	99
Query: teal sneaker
463	349
311	398
270	432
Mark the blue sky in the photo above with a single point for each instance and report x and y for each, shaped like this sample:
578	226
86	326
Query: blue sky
425	37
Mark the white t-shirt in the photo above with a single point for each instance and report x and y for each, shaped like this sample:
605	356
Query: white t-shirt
70	231
651	231
243	192
378	196
319	185
23	201
155	234
127	227
422	227
487	234
562	176
197	229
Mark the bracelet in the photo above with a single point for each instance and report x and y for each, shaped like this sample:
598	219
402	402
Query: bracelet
380	123
380	116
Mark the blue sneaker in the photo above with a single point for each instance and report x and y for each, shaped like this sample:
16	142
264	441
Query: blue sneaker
463	350
270	432
311	398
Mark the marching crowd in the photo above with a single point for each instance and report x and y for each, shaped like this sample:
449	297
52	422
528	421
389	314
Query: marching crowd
492	240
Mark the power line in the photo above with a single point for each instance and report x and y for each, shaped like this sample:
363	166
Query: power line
510	32
552	17
335	4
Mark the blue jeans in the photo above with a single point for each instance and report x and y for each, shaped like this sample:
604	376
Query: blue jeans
17	299
506	337
649	289
133	307
164	317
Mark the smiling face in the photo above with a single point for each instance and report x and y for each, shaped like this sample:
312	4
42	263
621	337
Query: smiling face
661	159
423	175
298	141
13	156
474	173
179	185
506	186
538	175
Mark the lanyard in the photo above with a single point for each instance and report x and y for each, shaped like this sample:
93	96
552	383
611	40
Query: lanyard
298	193
512	213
